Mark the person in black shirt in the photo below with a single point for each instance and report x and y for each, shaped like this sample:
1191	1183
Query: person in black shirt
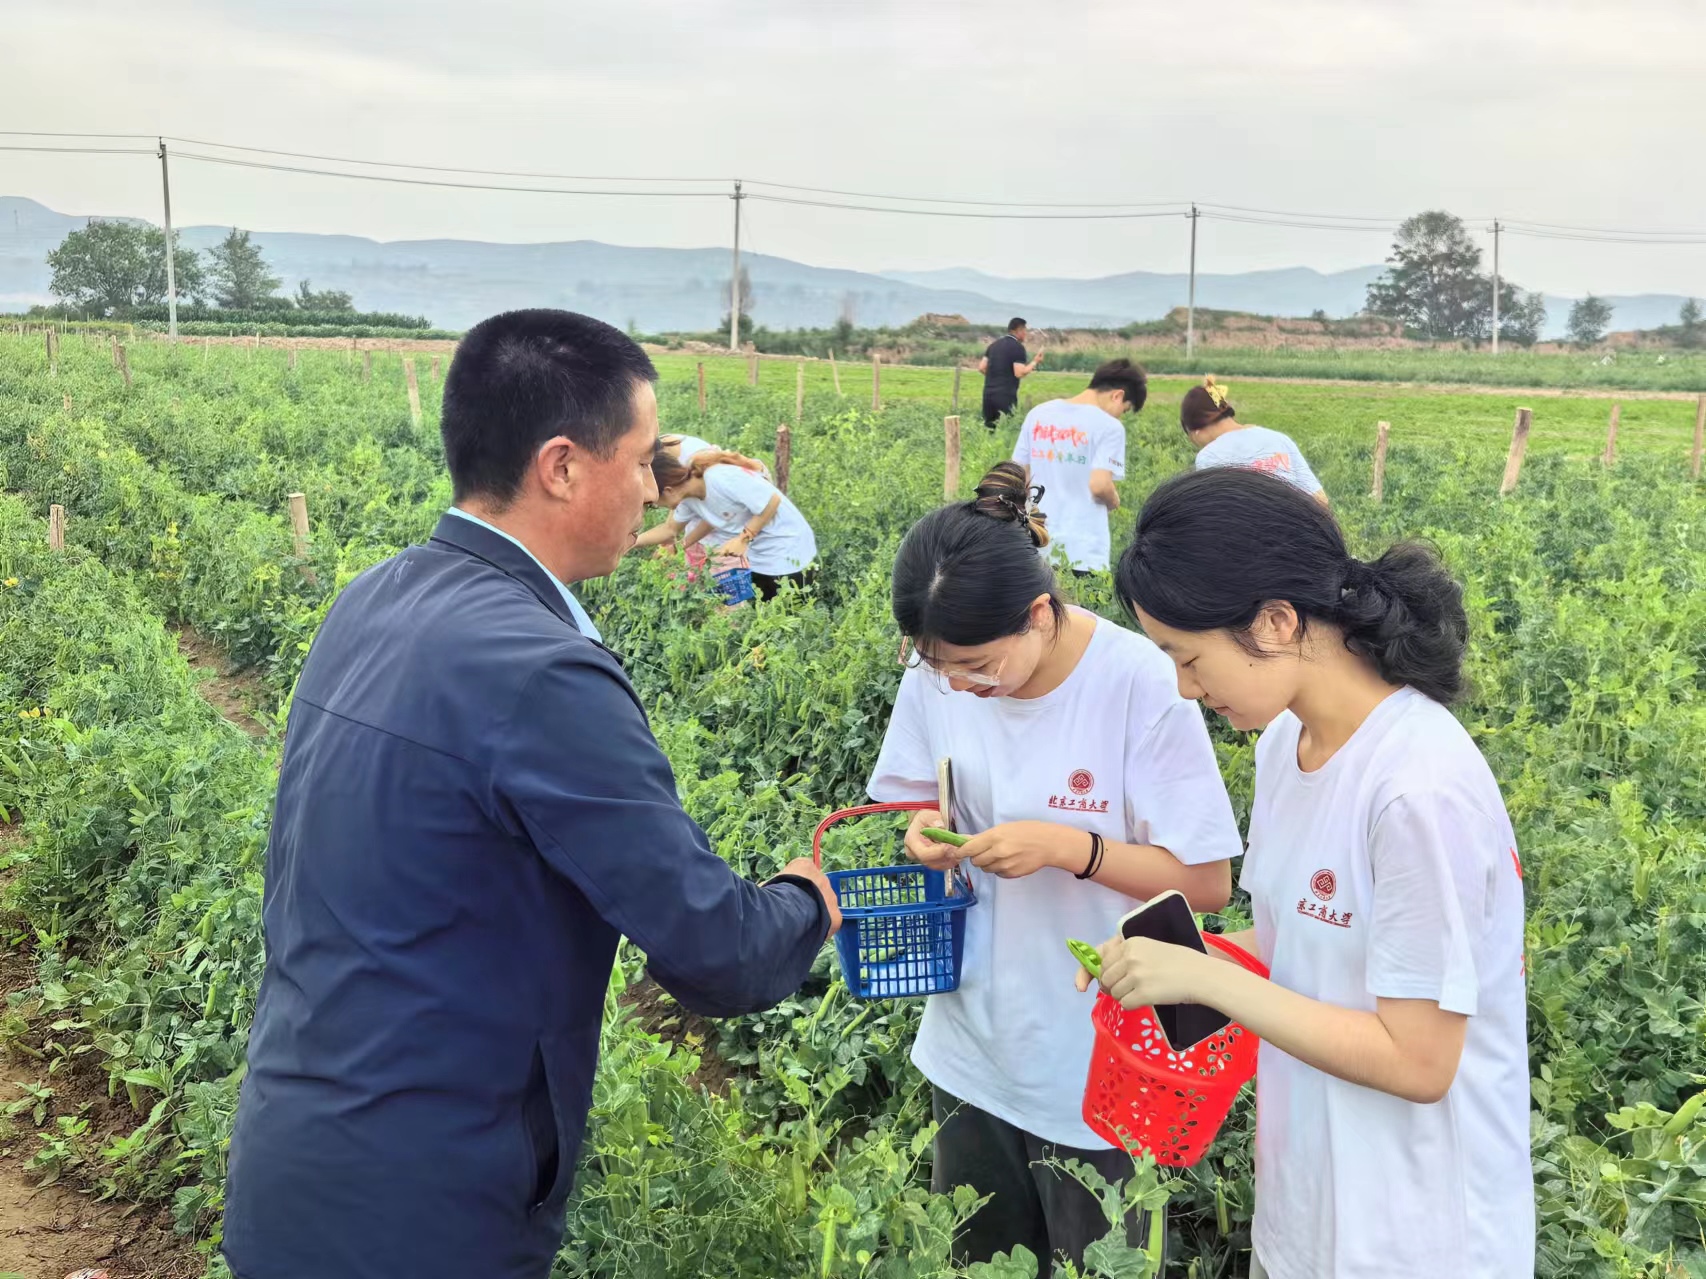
1002	365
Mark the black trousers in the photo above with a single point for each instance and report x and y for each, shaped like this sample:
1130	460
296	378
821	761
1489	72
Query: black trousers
1030	1203
767	586
994	406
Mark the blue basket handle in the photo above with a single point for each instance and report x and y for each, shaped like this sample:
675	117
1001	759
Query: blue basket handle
865	810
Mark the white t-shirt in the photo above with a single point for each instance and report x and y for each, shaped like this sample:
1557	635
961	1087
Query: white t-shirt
1062	443
1113	750
1260	449
1392	871
733	495
690	444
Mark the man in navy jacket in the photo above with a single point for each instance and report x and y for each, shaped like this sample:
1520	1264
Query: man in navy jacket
471	810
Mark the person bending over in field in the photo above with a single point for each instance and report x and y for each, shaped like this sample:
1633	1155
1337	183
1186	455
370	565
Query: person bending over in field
1222	440
471	812
1089	785
690	449
752	521
1392	1093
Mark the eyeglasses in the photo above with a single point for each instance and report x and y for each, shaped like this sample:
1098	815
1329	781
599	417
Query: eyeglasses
911	658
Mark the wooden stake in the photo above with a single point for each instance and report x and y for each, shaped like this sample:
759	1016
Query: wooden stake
951	456
67	406
876	381
958	369
293	358
1610	456
784	455
56	528
52	358
299	534
1519	449
752	370
799	392
414	391
205	343
701	386
123	362
367	366
1381	432
1699	436
435	368
834	372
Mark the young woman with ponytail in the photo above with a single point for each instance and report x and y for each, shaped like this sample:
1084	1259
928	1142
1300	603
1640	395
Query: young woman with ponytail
1392	1106
698	455
1087	784
714	495
1212	425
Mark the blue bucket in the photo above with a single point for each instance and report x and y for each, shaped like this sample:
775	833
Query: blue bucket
903	929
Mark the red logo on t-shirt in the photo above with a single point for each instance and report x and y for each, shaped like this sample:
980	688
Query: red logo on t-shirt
1323	885
1082	782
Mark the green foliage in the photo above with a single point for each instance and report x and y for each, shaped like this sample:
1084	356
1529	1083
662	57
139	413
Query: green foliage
116	267
1435	283
1590	317
144	813
238	273
308	299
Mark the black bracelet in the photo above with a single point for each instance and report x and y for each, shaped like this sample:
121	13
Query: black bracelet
1095	862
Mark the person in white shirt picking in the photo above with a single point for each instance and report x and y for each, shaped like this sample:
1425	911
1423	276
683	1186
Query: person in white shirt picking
1392	1091
1222	440
750	518
701	455
1088	784
1075	449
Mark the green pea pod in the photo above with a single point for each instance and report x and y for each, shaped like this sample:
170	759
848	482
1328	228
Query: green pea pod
1087	955
1685	1115
947	836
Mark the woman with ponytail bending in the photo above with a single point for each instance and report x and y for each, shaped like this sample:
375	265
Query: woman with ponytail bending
1212	424
1392	1098
1088	784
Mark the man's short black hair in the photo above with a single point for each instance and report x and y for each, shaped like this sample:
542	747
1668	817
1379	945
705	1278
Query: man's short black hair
1015	324
1122	375
524	377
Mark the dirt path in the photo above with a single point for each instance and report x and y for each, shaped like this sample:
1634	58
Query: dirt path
54	1231
240	697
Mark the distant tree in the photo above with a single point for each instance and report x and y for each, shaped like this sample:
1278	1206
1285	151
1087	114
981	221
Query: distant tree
1522	320
111	267
1434	282
1693	335
745	303
310	299
1318	315
241	280
1589	319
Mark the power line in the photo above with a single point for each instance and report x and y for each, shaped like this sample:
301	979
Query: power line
6	146
434	168
957	213
42	133
1001	204
434	182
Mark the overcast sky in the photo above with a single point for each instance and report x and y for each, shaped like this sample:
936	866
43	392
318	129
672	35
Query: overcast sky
1579	112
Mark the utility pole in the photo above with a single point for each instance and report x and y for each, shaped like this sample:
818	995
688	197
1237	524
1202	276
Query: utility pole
1496	229
734	278
171	251
1191	310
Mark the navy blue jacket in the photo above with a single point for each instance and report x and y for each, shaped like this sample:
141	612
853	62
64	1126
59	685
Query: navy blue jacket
471	809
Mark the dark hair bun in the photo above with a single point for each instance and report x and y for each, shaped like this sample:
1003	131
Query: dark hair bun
1404	612
1004	494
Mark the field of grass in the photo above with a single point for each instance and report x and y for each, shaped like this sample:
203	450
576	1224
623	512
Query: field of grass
1420	415
795	1142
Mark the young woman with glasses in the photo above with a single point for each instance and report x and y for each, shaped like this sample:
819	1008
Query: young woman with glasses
1088	784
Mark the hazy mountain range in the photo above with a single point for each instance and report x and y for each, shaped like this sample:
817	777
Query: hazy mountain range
457	282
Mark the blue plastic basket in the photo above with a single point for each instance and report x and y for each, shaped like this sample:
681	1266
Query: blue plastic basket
733	579
903	929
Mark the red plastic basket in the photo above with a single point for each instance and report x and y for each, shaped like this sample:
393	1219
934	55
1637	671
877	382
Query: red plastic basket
1141	1095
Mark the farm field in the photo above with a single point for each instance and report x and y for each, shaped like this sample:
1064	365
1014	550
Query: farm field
793	1142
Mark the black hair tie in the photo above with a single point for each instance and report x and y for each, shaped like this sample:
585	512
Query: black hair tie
1358	576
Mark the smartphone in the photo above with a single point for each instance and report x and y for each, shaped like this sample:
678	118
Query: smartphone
945	791
1169	918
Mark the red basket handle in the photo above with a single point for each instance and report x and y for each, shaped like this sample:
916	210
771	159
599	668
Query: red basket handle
864	810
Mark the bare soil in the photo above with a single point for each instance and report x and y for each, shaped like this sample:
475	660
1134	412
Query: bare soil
49	1232
662	1016
240	696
